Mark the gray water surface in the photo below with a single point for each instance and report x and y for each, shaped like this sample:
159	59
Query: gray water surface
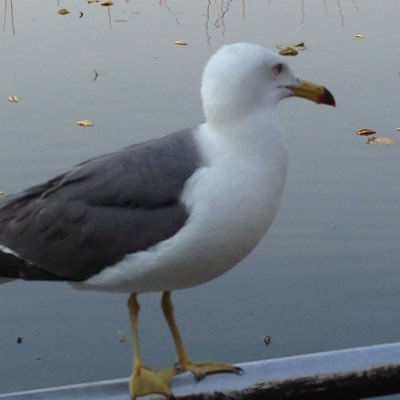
325	277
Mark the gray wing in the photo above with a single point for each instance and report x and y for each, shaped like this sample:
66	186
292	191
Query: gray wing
78	223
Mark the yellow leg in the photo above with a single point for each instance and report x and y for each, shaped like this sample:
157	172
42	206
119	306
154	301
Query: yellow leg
199	370
144	380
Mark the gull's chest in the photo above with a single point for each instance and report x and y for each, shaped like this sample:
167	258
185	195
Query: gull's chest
233	203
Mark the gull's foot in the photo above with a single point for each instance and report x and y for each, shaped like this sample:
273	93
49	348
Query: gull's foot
200	370
146	381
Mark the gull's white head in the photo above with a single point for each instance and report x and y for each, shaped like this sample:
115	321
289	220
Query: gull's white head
243	78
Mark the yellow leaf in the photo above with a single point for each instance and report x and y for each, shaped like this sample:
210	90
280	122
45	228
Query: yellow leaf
181	43
13	99
106	3
63	11
288	51
365	132
360	36
291	49
85	122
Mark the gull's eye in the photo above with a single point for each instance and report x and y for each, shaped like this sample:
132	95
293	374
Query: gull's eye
277	69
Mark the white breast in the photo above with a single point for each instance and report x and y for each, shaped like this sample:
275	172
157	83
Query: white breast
232	201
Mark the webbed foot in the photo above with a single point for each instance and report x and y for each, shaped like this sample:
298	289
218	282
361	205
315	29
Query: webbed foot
146	381
200	370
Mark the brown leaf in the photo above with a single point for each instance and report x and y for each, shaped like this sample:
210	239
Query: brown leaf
63	11
365	132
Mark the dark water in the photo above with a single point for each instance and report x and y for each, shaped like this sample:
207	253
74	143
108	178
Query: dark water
327	274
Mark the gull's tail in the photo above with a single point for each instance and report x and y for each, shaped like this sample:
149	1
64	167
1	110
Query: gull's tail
12	267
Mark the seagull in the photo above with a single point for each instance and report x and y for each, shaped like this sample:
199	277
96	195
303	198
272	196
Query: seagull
168	213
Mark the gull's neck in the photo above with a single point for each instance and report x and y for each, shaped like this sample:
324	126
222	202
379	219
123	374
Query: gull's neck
258	133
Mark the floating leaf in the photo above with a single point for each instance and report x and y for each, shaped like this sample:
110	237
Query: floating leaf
291	49
267	340
63	11
380	140
360	36
181	43
365	132
13	99
92	1
398	129
300	46
1	192
106	3
121	336
288	51
85	122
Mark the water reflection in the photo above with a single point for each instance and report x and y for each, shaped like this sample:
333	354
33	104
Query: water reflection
355	5
303	14
11	16
215	13
340	8
221	9
109	16
338	5
163	3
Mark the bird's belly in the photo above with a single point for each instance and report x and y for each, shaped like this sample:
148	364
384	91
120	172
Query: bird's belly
226	222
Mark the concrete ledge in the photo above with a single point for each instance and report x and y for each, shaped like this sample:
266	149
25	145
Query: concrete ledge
351	373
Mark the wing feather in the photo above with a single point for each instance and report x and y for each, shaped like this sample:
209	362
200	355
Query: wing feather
91	217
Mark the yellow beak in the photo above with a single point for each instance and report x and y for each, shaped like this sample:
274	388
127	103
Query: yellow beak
314	92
